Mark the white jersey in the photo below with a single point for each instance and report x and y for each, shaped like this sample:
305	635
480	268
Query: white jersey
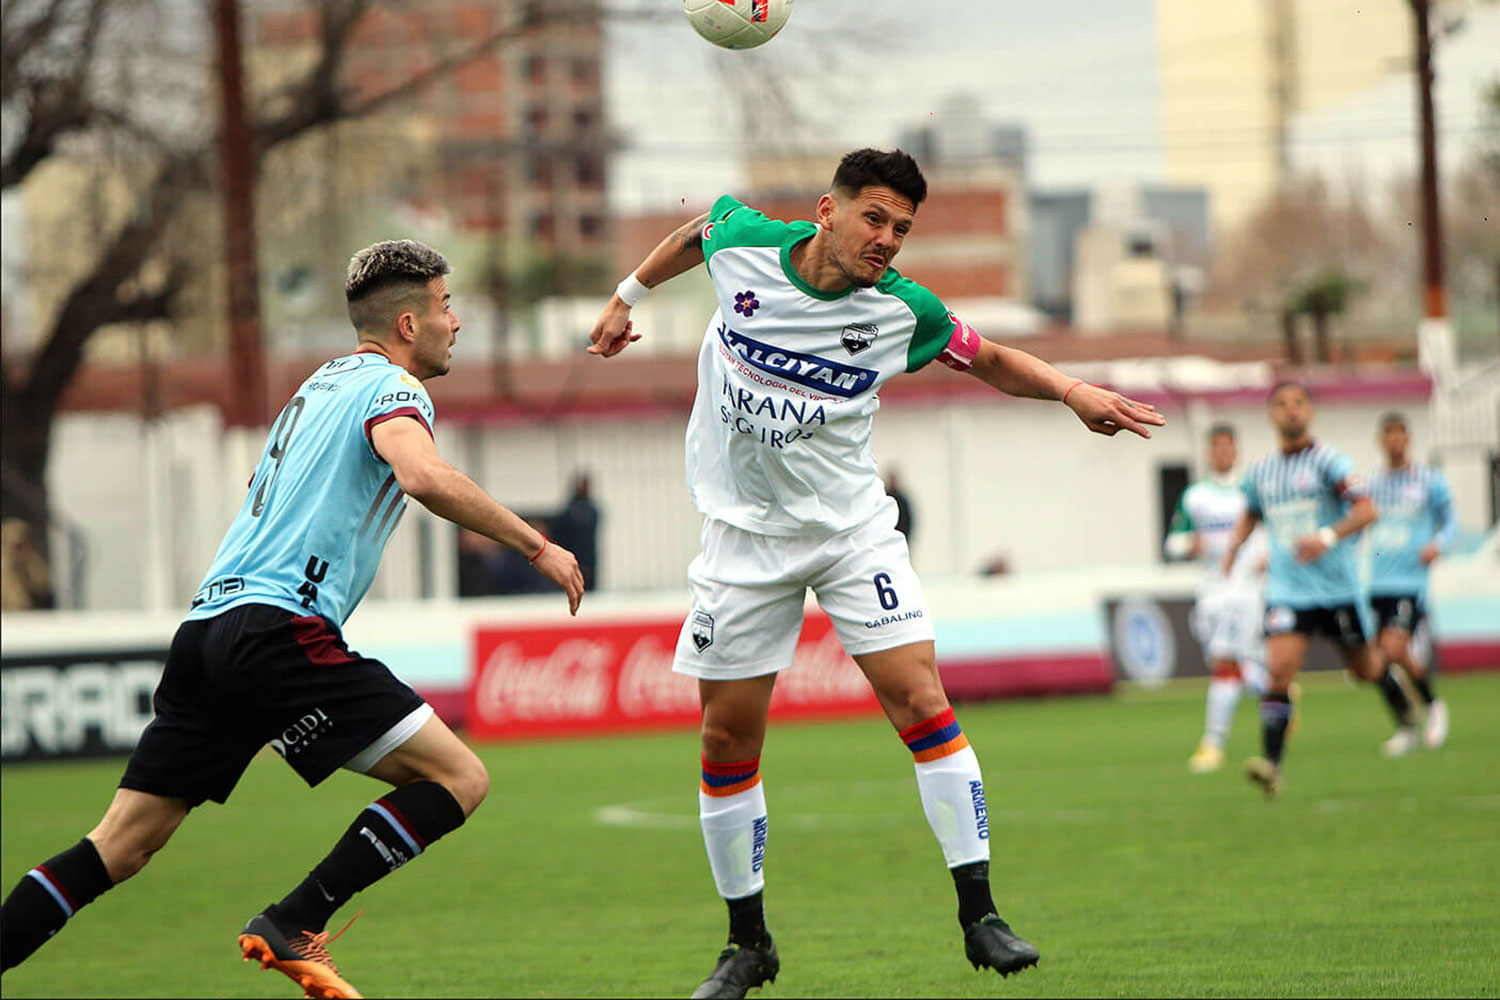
1210	508
788	380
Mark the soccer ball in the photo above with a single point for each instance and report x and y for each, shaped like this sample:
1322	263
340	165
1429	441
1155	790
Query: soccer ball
737	24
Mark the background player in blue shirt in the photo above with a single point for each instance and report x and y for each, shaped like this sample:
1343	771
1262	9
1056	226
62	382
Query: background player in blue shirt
1312	503
260	658
1416	525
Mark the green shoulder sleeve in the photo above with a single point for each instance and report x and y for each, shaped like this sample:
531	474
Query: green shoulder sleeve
731	223
1181	519
934	323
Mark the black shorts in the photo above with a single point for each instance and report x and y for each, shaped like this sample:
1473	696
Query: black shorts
1340	622
254	675
1402	611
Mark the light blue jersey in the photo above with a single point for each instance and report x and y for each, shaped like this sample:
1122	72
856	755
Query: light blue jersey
1416	507
1295	495
322	503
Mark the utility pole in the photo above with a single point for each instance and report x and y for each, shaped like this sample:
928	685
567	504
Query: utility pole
1434	336
1434	301
247	372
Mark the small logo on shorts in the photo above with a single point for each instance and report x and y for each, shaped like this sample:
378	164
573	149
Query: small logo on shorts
1280	619
858	336
295	738
702	630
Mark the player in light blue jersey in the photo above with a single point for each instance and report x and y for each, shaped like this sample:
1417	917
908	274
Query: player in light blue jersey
1313	505
260	659
1416	525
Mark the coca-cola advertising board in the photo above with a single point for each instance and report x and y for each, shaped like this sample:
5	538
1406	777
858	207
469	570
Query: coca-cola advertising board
564	680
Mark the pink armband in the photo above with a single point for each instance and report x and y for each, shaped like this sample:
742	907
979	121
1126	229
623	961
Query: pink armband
963	346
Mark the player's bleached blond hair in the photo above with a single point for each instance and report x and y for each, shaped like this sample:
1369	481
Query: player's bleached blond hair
388	278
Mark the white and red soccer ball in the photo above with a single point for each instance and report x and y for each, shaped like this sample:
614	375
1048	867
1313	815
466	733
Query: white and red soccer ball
737	24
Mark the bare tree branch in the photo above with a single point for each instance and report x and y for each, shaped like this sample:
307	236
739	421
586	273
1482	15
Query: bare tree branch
16	42
321	101
96	301
55	104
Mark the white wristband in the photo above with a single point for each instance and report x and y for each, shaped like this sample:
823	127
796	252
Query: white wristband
631	290
1328	536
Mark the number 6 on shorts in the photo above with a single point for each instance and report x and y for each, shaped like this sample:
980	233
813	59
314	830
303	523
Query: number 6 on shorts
883	590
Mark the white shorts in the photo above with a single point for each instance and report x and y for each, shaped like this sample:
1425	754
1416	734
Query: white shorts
748	593
1228	625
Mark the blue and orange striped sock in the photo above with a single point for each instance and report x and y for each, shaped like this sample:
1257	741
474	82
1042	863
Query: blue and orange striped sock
951	786
732	812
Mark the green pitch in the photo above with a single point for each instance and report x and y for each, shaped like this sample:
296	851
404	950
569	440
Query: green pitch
583	875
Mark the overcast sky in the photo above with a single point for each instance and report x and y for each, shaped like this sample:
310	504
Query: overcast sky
1080	74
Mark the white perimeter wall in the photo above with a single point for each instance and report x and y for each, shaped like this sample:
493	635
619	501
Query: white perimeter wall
1021	479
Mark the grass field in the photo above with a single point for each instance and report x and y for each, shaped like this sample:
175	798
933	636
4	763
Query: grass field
584	875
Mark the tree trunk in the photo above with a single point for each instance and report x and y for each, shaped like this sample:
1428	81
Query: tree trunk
1289	337
23	450
1320	335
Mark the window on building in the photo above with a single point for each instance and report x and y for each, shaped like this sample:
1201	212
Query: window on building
585	70
590	224
537	118
536	67
589	169
542	225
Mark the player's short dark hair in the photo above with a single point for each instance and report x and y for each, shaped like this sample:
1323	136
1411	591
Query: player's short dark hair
388	278
1288	383
1218	429
895	170
1393	417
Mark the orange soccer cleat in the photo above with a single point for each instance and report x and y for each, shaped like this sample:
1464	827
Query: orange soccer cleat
303	957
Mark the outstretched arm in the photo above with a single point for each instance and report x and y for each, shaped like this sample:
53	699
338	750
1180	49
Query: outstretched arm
422	474
1242	529
679	252
1017	373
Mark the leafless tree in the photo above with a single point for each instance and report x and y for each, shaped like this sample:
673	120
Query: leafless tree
85	76
1306	251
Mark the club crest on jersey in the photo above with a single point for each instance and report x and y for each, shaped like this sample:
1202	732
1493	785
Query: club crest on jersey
817	373
858	336
702	630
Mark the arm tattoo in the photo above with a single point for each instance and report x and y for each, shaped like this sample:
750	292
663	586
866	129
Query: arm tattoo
690	236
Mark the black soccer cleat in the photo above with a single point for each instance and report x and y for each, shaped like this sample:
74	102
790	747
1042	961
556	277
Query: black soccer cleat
989	942
740	968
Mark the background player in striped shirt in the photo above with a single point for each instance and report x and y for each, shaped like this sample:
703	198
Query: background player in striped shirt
1312	504
1416	524
1227	611
812	319
260	658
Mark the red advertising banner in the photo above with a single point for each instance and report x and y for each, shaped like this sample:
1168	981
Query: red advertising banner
572	679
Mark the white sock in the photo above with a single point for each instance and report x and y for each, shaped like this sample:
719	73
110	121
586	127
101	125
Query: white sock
1223	699
732	811
1257	677
951	787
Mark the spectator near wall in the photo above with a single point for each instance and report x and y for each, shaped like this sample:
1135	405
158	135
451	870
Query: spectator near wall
576	527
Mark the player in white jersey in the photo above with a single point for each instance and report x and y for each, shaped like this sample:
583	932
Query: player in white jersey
812	319
260	660
1227	611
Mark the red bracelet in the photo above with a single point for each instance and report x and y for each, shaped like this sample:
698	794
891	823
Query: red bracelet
1070	389
539	551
